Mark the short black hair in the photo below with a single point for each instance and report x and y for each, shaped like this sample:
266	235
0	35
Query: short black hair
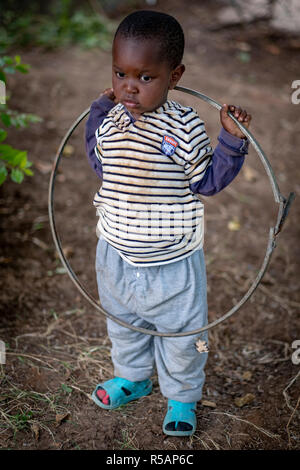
154	25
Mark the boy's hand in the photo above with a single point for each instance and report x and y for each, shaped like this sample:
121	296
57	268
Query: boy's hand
109	92
241	115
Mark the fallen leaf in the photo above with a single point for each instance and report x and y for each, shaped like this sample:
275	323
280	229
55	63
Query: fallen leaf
68	251
243	46
250	174
43	167
61	417
57	445
201	346
4	260
210	404
61	178
36	430
247	375
40	244
245	400
294	43
68	150
273	49
234	225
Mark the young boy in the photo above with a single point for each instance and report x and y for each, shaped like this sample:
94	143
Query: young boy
153	157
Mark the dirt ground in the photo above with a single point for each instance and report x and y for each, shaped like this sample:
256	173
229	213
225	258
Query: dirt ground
57	347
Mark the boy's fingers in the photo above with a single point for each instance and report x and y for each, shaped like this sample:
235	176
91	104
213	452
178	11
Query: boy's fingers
247	117
224	110
239	113
243	115
108	92
233	109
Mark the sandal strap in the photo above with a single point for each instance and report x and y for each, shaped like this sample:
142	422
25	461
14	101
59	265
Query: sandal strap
180	412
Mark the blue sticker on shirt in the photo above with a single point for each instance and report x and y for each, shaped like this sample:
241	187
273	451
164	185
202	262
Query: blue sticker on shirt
169	145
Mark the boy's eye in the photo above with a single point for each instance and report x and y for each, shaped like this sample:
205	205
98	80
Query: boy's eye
145	78
120	74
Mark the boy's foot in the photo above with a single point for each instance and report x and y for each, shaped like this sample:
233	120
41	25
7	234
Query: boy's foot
116	392
180	419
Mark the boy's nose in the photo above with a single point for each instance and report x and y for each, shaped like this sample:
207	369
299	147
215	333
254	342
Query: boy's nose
131	86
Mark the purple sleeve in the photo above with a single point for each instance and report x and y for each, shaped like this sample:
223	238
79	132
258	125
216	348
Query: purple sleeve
98	112
227	160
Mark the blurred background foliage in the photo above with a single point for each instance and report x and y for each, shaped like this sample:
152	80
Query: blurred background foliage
47	25
13	162
55	23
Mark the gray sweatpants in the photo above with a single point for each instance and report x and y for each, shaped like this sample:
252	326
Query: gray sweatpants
166	298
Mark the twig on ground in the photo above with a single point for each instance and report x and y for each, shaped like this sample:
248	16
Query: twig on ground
284	302
264	431
294	410
285	391
20	354
79	390
289	421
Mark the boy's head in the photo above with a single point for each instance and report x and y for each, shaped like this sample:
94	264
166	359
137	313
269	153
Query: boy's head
147	54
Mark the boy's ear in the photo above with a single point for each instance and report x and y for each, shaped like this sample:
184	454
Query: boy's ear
176	75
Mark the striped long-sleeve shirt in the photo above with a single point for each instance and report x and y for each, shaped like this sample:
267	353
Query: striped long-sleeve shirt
152	170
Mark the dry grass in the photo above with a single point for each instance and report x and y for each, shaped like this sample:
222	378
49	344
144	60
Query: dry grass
77	362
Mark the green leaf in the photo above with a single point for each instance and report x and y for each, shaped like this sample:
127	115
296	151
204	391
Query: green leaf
3	135
7	152
3	174
20	159
8	60
9	69
2	76
244	57
4	149
22	119
17	175
23	68
28	172
60	270
65	388
5	119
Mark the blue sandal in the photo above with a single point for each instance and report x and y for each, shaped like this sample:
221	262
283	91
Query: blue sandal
121	391
180	419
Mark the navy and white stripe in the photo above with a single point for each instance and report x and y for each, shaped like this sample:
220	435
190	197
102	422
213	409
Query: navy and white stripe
146	208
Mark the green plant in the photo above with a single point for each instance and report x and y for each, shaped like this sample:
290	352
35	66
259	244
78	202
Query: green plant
20	420
66	389
13	161
60	23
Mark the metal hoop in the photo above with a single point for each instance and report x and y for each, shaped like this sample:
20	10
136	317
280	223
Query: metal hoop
284	205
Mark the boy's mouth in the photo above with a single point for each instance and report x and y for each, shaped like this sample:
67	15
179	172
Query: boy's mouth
130	103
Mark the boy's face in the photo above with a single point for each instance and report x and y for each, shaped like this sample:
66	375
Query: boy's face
141	80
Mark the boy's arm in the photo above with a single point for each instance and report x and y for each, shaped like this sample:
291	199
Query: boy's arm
225	163
98	112
210	171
